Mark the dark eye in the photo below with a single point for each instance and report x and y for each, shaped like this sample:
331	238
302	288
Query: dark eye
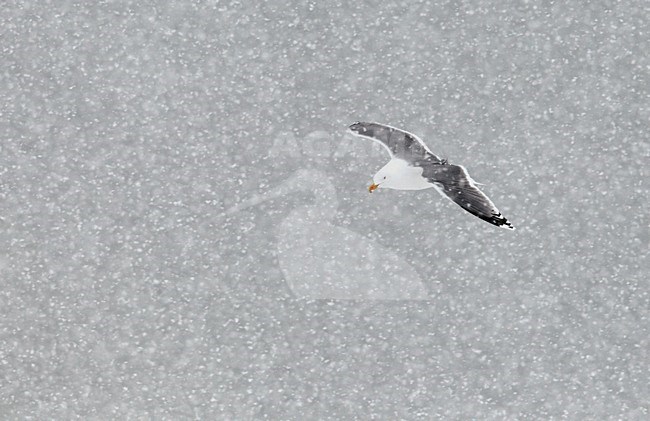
384	177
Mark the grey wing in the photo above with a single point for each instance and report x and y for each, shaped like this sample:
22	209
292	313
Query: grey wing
454	182
398	143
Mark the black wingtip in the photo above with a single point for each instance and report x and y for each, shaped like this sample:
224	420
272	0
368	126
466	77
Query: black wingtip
501	222
507	225
357	127
498	220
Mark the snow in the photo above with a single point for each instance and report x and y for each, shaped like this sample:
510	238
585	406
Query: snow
128	130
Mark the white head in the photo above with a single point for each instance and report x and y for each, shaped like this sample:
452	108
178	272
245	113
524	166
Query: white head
381	179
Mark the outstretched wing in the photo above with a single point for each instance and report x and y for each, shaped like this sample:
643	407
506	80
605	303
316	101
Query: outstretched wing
453	182
398	143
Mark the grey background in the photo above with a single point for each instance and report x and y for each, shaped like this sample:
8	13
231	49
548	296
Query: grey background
128	128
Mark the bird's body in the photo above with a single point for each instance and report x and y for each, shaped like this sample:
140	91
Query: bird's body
406	177
414	167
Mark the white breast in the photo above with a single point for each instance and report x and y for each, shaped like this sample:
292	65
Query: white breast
401	176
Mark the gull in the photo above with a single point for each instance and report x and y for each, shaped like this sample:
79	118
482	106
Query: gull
414	167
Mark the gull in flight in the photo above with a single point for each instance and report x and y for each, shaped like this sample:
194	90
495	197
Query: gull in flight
414	167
